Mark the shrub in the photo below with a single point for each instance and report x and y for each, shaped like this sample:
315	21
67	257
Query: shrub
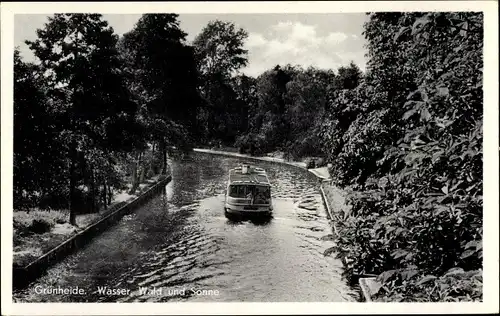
306	146
37	221
310	163
456	285
253	144
40	226
243	143
150	173
414	153
320	162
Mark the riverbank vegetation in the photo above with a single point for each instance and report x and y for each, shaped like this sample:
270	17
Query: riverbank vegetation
99	111
408	140
37	231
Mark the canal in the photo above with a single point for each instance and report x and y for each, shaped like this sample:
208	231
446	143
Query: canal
180	247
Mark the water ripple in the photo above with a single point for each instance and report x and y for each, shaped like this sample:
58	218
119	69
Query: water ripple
182	241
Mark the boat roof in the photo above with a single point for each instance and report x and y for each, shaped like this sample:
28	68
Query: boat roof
253	176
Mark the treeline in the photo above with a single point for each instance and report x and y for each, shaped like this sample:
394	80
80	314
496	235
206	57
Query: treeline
279	110
97	107
287	107
406	134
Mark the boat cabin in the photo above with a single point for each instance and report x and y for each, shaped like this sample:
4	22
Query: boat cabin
248	189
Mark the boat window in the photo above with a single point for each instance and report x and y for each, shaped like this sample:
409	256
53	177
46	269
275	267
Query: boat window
262	194
259	194
237	191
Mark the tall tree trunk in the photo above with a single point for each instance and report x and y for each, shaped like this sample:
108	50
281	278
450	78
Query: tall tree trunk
164	155
110	194
93	195
73	157
165	164
72	184
142	168
105	194
151	163
135	175
134	179
142	175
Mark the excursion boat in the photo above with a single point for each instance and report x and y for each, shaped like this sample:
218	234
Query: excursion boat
248	192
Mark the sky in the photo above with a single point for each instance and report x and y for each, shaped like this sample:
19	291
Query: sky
326	41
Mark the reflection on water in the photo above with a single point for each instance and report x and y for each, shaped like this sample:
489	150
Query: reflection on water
181	247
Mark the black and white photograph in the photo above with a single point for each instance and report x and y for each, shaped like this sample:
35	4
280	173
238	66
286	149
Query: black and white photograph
169	156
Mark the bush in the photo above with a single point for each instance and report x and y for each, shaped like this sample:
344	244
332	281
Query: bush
243	144
414	153
320	162
314	162
456	285
150	173
37	221
40	226
308	146
310	163
252	144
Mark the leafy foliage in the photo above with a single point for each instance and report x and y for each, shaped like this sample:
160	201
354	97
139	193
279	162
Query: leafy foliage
86	94
456	285
220	55
405	137
36	141
409	140
82	113
348	77
162	73
37	221
219	49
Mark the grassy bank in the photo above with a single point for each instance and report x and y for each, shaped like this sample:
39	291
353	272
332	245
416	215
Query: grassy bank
37	231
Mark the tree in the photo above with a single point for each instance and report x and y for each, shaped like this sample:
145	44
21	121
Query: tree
164	77
219	49
348	77
78	54
306	100
355	116
413	150
270	121
245	88
38	165
220	55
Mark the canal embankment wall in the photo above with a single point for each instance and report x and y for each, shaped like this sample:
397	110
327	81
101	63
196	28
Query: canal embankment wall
22	276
